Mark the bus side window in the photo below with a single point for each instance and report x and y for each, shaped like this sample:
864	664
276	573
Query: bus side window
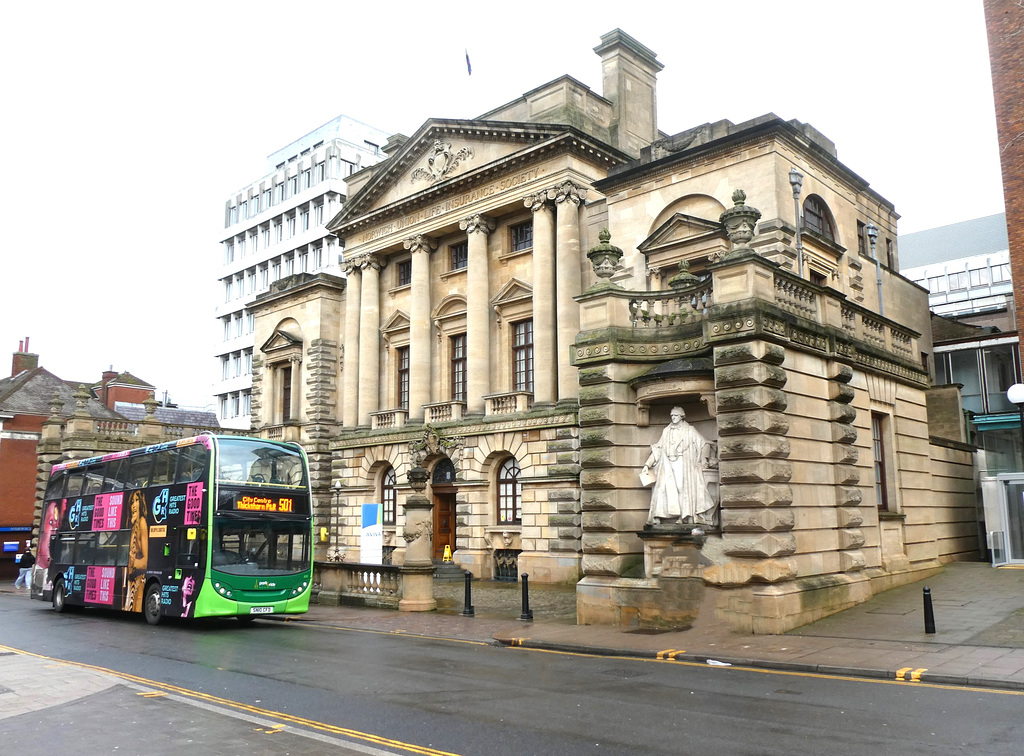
55	487
86	551
107	548
111	482
163	467
75	481
93	481
138	473
63	549
191	463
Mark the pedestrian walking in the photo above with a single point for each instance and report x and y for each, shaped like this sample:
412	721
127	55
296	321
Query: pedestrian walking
25	565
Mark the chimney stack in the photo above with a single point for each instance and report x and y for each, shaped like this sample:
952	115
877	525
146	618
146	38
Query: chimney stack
23	360
629	73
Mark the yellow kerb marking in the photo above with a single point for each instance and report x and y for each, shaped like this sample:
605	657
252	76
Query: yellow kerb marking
902	671
915	676
670	653
153	694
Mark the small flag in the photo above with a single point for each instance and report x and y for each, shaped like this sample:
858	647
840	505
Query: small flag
469	67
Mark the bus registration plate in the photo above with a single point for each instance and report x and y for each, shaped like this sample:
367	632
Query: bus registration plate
261	610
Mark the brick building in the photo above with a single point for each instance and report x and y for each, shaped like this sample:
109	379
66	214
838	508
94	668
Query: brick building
1004	20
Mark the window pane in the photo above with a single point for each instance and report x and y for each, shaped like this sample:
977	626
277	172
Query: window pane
964	369
999	376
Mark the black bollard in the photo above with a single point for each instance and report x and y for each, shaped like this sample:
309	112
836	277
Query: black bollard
527	615
929	614
467	609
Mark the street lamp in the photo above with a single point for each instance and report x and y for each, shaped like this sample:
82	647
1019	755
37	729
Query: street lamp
872	231
1015	395
336	495
796	180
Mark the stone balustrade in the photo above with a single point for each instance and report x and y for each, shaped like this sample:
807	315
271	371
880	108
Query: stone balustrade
443	412
387	419
509	403
671	308
378	585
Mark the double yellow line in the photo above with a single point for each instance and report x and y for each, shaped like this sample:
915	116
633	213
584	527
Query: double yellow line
247	708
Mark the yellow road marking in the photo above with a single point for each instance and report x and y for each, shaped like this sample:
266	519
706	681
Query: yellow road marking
517	641
153	694
670	654
783	672
915	676
227	703
902	671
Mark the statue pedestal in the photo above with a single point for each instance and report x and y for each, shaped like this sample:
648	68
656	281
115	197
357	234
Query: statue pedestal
672	551
418	570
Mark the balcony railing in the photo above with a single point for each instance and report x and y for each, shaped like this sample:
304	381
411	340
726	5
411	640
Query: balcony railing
443	412
508	404
671	308
387	419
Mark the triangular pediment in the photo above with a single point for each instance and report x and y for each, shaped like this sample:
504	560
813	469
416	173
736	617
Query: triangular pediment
398	321
450	155
280	340
679	229
513	291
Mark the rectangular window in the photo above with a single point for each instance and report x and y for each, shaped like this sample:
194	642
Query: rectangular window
265	237
289	265
286	393
254	206
255	240
291	227
862	239
320	172
227	291
293	186
405	273
266	199
522	236
279	194
890	254
227	328
276	273
978	276
264	277
225	368
229	252
238	325
347	168
458	352
279	232
241	247
236	405
878	428
304	263
318	258
250	281
247	362
999	364
304	220
957	281
233	215
459	255
243	210
1000	273
250	324
522	356
307	178
246	403
937	285
402	361
236	365
318	218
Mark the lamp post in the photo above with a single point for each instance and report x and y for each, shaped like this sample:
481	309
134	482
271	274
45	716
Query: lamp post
336	495
796	180
872	231
1015	395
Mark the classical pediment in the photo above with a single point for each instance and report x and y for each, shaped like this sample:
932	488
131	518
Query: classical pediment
677	230
281	341
512	292
398	321
446	156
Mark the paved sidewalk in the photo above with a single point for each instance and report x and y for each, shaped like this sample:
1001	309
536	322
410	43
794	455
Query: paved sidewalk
979	638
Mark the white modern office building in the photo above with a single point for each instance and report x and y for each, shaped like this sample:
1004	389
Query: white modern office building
274	227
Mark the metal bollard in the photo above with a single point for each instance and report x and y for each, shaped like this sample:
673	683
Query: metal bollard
527	615
929	614
467	609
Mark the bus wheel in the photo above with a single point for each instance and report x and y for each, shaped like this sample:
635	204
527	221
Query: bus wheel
151	604
59	597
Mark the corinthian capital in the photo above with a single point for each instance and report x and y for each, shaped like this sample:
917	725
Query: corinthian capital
420	243
477	224
538	201
371	260
567	191
350	264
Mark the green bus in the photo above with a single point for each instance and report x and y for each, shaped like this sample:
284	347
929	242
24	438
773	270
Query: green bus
207	526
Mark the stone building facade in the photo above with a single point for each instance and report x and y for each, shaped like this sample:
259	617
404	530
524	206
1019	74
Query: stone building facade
529	294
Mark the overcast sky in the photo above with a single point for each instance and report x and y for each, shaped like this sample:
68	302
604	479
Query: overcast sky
127	124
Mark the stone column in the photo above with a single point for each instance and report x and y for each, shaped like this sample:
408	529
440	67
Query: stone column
369	341
478	320
296	388
419	326
545	377
350	397
569	282
418	568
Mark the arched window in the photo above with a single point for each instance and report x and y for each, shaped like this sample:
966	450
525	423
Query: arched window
387	496
444	473
510	492
818	218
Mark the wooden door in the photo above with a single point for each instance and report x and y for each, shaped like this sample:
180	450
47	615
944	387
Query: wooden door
444	523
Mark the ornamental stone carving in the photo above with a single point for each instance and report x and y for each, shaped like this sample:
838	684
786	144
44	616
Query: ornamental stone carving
538	201
567	191
371	260
739	221
605	256
442	162
420	243
424	528
477	224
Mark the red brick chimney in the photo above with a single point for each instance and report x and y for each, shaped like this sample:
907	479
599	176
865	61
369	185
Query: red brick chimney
108	376
23	360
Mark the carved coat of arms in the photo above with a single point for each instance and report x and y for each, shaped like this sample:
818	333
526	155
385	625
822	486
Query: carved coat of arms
442	162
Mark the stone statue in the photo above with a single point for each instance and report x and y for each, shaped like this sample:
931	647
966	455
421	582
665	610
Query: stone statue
676	464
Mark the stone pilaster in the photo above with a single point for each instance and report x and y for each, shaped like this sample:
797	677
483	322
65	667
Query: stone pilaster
545	373
350	364
478	320
256	394
419	326
369	342
567	197
756	495
850	537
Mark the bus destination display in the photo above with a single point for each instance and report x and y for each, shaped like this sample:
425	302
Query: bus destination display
265	503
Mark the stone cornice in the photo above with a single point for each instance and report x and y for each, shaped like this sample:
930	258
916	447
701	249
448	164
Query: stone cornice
547	141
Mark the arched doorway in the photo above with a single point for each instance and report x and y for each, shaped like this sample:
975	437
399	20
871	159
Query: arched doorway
442	485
